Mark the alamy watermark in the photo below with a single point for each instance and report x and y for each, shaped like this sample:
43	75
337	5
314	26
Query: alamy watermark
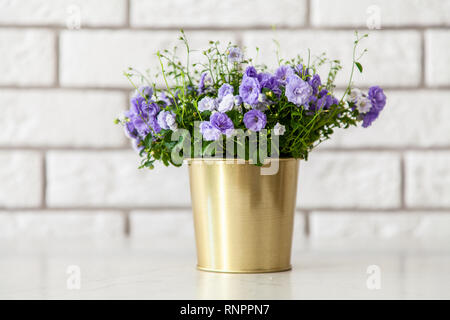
73	20
238	145
373	20
373	281
74	277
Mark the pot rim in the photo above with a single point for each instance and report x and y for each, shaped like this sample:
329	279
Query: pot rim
231	160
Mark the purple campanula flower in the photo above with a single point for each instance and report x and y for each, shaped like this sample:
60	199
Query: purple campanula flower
312	103
323	92
136	104
153	122
251	72
298	91
165	99
202	83
222	122
272	84
331	100
315	82
224	90
141	125
150	109
166	120
130	130
209	132
263	77
302	71
370	117
255	120
323	100
237	100
378	101
283	73
249	90
226	104
328	98
377	97
207	104
235	54
144	91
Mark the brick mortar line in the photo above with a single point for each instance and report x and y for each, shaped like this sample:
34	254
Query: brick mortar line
126	223
308	14
299	210
57	59
68	88
305	27
307	221
127	14
402	182
44	180
398	150
130	90
422	59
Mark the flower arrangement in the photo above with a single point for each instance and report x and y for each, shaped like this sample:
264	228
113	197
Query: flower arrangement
292	110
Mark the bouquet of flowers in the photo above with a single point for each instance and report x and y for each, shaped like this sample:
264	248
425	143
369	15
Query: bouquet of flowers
226	104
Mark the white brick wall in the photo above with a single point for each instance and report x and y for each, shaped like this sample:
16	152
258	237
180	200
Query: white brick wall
428	179
80	68
379	224
60	118
230	13
410	119
437	58
350	180
61	224
21	179
66	170
27	57
99	179
383	49
392	12
62	12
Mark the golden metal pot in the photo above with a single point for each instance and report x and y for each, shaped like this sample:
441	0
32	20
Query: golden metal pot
243	220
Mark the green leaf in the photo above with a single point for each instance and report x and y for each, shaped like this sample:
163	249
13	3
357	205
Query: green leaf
359	66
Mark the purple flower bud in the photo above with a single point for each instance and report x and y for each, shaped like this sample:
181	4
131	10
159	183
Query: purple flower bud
235	55
251	72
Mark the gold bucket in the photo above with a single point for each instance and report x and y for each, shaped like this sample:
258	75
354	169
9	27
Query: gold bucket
243	220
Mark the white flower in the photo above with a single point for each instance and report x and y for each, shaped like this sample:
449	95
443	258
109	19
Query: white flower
262	98
355	94
227	103
279	129
363	105
207	103
170	120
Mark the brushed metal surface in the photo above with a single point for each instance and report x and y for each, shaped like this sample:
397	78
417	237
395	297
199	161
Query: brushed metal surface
243	220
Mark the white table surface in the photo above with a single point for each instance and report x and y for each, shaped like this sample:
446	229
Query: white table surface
164	268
